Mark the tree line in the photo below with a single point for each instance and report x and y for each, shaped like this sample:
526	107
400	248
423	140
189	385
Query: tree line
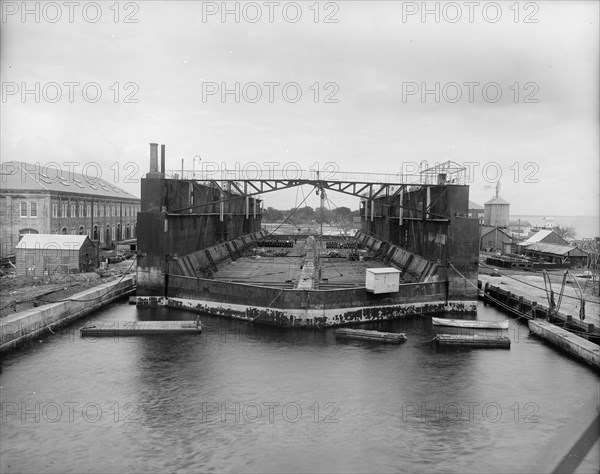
340	216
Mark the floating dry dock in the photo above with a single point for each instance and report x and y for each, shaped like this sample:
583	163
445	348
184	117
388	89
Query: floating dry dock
139	328
493	342
366	335
568	342
201	247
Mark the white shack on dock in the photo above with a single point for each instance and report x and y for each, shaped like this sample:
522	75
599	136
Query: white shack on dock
382	280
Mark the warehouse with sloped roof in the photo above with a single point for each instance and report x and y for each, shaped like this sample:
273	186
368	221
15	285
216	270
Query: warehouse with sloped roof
51	199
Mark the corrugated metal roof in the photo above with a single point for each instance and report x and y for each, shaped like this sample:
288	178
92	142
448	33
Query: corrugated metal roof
497	200
539	235
51	241
474	205
556	249
21	176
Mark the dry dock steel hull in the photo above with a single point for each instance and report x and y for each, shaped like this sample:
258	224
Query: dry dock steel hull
310	317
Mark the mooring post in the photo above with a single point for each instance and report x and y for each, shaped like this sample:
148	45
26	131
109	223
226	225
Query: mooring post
447	282
520	304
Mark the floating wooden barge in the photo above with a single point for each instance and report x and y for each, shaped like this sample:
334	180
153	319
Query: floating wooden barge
366	335
453	340
139	328
466	323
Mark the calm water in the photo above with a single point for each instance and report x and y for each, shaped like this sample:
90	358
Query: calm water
251	399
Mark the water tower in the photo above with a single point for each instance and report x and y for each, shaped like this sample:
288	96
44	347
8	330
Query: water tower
496	210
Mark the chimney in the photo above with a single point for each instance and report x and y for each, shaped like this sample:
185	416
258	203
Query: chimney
162	159
153	157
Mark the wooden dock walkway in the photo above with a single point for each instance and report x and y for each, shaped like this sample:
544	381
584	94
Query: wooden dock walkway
139	328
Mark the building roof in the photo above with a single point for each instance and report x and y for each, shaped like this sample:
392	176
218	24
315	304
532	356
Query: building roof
496	200
556	249
474	205
385	270
489	230
52	241
539	236
21	176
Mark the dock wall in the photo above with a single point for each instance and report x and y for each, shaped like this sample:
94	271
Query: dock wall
416	268
199	263
27	325
293	307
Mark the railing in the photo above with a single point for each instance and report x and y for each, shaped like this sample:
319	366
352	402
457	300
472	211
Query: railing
256	172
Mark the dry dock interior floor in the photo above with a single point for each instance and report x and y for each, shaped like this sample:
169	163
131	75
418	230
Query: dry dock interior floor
280	267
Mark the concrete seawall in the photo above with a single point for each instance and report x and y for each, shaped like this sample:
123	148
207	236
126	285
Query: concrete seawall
21	327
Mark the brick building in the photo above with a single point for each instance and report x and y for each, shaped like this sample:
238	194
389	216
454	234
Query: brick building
48	200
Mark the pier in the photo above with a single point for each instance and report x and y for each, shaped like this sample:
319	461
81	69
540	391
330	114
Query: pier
571	343
31	324
576	337
513	297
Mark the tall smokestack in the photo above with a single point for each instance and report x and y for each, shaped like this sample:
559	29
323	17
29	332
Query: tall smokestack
162	159
153	157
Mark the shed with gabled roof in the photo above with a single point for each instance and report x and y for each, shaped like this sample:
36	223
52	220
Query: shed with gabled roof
46	254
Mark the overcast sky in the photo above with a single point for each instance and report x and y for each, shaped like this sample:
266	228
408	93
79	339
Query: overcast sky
371	62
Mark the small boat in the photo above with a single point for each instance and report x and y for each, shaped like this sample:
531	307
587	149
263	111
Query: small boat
466	323
366	335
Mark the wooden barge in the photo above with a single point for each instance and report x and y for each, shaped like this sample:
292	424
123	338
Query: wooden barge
139	328
475	341
471	324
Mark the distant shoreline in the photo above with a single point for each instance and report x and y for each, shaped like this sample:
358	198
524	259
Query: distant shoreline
551	215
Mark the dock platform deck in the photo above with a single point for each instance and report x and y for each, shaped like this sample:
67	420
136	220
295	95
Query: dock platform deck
139	328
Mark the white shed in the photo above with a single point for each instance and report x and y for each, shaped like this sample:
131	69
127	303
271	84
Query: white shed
382	280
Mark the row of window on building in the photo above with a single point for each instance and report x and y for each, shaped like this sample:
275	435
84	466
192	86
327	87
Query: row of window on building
98	232
80	209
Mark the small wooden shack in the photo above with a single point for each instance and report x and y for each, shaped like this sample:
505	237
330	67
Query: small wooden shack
45	254
382	280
